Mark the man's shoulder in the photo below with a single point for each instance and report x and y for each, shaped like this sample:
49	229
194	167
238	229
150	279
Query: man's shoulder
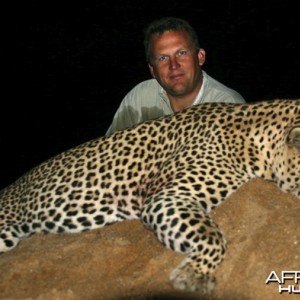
144	93
147	85
218	89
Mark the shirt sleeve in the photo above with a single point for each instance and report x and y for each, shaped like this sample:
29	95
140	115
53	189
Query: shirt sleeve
232	97
214	91
126	115
142	103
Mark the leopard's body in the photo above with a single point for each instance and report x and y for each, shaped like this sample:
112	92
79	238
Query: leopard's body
168	172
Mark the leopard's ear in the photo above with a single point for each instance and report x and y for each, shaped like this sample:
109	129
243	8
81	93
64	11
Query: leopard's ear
293	138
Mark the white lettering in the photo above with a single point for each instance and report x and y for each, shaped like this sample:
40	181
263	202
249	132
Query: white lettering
284	276
291	289
282	289
295	291
270	279
297	277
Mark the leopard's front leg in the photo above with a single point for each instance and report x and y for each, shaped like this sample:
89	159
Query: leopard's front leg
182	225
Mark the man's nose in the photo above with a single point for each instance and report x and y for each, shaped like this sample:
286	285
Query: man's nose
174	63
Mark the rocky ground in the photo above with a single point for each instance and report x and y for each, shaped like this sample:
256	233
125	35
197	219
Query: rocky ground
125	261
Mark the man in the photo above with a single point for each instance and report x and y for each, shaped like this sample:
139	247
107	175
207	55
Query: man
175	60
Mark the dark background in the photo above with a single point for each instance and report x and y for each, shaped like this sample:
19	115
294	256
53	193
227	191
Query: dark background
73	62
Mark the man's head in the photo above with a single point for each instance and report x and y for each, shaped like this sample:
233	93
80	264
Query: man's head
160	26
175	59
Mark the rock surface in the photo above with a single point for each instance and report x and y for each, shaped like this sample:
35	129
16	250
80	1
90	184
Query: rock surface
125	260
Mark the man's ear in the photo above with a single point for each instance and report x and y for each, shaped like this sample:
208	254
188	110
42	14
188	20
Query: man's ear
201	56
151	70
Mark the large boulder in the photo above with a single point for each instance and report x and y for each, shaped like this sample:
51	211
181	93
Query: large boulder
126	261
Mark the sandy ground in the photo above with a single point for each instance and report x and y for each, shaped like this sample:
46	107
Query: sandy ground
125	261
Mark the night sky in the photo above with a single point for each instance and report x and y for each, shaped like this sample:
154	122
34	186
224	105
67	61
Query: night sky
73	62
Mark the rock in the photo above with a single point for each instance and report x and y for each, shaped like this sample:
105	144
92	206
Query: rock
126	261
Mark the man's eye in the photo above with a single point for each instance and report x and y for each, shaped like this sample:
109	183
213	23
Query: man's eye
182	53
163	58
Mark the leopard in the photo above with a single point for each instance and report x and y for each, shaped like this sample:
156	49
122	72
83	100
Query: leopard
169	173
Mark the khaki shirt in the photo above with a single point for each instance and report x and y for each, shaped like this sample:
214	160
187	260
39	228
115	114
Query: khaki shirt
148	100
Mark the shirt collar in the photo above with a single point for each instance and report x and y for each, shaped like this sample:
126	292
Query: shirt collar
200	93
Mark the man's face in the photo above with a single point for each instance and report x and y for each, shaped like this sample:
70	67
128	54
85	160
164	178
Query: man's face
175	63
